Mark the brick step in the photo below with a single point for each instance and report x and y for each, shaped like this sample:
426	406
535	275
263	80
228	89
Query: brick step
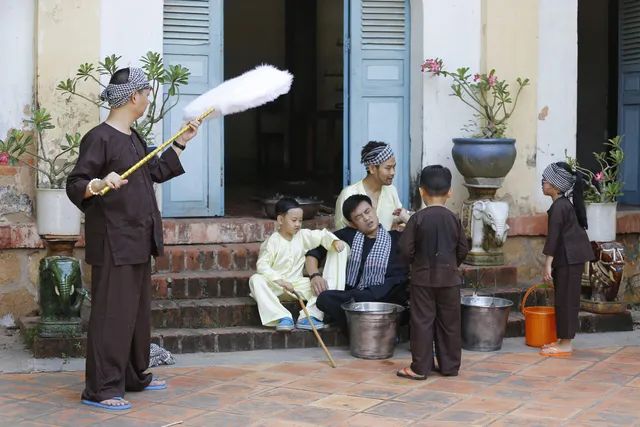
259	338
210	313
233	256
235	283
220	340
201	284
204	231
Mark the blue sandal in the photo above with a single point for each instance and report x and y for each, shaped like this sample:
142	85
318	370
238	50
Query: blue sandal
155	387
109	407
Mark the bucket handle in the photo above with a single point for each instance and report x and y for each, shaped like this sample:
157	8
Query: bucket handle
531	289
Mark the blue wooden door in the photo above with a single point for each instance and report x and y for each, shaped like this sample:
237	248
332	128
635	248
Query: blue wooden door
193	38
377	84
629	97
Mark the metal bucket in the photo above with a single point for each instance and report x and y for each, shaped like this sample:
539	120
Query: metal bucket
373	328
484	322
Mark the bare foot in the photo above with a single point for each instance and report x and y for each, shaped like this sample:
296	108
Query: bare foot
114	402
156	383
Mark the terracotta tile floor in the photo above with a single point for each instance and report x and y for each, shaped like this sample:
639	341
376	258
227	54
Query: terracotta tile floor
598	387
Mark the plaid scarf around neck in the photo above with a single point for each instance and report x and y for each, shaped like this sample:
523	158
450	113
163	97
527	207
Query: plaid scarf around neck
375	266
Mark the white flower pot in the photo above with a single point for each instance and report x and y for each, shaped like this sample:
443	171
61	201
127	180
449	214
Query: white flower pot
601	218
55	214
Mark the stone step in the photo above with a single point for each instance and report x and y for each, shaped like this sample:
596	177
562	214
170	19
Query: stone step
233	256
201	284
502	275
210	313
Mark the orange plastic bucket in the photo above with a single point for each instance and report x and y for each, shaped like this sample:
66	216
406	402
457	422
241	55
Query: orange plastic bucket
539	323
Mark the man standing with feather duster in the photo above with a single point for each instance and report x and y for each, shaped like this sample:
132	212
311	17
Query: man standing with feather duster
123	230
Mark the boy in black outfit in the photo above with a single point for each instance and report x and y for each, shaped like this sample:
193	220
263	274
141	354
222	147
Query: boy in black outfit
434	243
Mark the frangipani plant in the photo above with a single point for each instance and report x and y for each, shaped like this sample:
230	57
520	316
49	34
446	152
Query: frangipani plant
605	185
55	167
157	74
489	97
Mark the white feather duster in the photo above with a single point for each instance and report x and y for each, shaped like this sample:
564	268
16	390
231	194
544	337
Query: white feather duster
256	87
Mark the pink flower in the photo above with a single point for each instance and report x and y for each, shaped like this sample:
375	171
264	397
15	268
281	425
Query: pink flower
599	176
431	65
492	80
4	158
476	77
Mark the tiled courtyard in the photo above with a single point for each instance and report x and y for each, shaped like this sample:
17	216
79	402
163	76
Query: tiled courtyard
597	387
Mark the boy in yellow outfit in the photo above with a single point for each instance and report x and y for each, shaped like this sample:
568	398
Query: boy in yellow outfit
280	264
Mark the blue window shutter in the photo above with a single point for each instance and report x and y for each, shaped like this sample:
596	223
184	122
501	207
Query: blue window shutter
378	74
192	33
629	97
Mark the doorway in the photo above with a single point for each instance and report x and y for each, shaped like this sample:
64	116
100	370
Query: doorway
294	145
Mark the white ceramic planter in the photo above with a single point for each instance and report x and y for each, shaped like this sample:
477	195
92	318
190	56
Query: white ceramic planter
602	221
55	214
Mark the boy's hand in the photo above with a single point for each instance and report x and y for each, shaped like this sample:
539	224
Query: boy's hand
288	286
338	245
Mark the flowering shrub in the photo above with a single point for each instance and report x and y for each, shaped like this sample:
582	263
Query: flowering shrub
487	95
604	186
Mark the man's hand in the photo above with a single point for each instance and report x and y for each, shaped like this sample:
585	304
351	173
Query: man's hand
189	134
338	245
402	215
318	285
113	181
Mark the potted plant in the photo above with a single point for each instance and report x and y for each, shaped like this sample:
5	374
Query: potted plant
56	216
601	191
170	78
488	155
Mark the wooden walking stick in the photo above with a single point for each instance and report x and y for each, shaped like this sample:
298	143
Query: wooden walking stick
256	87
315	331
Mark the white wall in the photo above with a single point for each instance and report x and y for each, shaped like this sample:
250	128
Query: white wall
452	31
17	41
557	86
130	28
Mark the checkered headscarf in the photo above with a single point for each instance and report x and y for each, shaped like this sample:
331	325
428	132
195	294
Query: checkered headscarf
375	266
118	95
559	178
377	156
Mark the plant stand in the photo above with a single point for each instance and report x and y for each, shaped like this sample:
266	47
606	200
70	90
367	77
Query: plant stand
484	219
61	296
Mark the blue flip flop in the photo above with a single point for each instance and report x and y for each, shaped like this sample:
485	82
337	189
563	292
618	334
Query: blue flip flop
109	407
156	387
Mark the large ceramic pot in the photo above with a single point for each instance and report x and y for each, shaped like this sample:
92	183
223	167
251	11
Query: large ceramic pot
484	162
602	219
55	214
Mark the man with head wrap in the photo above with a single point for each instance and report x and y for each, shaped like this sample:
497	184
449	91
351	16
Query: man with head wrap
379	160
123	230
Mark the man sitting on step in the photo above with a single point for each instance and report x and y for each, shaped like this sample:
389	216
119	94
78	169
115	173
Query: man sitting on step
375	270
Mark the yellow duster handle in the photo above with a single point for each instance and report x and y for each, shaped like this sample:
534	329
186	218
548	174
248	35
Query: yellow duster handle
148	157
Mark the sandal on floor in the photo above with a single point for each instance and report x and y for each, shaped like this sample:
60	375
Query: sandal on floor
553	351
404	373
155	387
552	344
109	407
